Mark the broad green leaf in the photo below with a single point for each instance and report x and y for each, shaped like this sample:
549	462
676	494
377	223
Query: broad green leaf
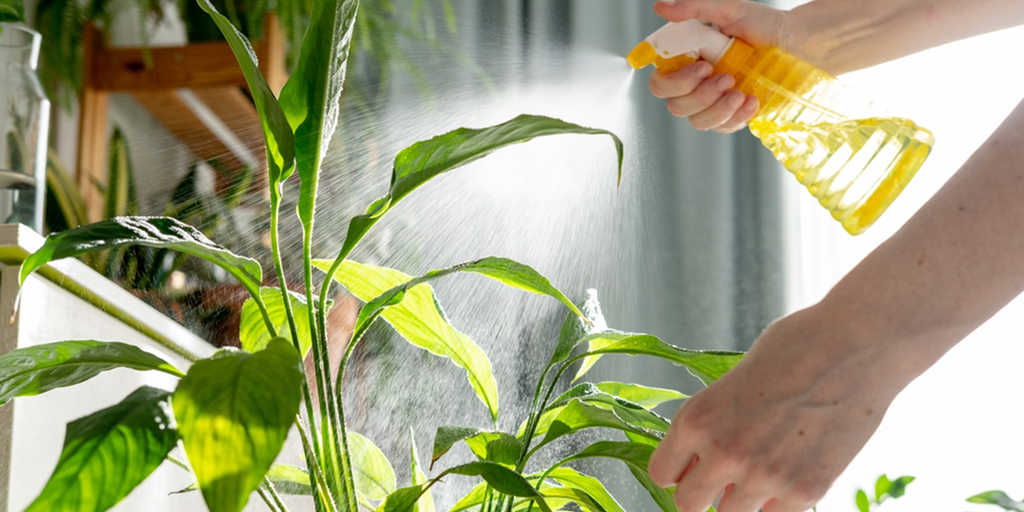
417	164
373	475
496	447
419	320
863	505
234	411
500	478
426	501
109	453
571	478
574	331
706	365
158	232
446	437
576	416
253	330
636	457
898	487
629	412
310	97
277	133
574	495
12	11
645	396
36	369
997	498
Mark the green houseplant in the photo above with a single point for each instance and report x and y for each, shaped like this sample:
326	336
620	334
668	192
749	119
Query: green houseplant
232	411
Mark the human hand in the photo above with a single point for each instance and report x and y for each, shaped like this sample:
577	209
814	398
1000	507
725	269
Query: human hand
778	429
709	101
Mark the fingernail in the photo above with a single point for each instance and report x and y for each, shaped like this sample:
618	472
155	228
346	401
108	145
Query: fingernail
734	100
703	70
667	2
724	82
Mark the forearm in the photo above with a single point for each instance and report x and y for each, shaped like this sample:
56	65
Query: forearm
844	35
957	262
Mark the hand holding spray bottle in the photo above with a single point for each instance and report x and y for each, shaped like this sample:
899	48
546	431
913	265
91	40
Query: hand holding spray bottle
848	152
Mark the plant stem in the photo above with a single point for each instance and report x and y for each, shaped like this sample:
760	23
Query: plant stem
346	459
275	249
267	500
317	480
273	494
322	364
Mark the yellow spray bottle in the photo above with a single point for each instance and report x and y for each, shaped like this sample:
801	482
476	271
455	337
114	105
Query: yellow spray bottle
851	156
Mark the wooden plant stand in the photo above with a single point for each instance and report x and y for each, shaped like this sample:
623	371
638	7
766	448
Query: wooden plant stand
208	70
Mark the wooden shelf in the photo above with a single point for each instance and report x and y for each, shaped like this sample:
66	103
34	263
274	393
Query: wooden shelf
210	74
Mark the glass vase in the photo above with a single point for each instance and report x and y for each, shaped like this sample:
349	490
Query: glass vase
24	125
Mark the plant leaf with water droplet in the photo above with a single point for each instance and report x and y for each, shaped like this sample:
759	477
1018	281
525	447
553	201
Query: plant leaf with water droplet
998	498
630	412
419	320
643	395
446	437
500	478
706	365
158	232
252	331
426	501
424	160
593	487
109	452
310	97
277	133
36	369
234	411
636	456
577	415
373	474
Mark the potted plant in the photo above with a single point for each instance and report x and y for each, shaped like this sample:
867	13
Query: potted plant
233	411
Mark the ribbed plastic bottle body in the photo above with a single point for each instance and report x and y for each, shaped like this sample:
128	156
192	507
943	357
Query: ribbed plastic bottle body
854	159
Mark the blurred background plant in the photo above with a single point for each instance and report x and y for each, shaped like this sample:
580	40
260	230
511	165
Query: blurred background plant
998	498
382	27
884	490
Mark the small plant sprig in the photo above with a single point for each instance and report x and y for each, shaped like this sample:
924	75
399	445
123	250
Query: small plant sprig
998	498
232	411
884	489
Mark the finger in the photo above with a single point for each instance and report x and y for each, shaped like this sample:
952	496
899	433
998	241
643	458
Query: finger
699	487
720	12
717	114
741	117
670	461
680	83
739	499
775	505
702	98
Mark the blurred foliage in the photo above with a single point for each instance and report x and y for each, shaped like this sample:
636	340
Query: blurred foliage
884	490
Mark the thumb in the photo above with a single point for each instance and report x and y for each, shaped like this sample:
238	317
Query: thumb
719	12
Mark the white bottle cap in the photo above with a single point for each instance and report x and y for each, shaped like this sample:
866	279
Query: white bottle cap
692	38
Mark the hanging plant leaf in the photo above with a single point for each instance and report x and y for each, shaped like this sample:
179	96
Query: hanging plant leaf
157	232
109	452
36	369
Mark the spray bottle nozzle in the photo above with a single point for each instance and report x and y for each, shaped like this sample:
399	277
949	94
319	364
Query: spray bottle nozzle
676	45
